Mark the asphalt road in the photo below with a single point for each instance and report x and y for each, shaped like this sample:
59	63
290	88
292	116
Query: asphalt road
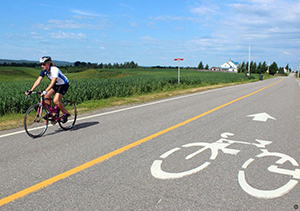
234	148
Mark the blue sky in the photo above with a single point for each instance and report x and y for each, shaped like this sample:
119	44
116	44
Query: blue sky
152	32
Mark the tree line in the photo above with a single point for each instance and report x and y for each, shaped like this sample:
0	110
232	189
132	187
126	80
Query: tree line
77	64
262	68
131	64
259	68
19	64
201	67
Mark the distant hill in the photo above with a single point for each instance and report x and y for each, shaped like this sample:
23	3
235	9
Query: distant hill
57	63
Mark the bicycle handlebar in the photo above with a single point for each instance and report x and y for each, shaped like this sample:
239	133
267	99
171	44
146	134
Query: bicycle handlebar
28	95
38	92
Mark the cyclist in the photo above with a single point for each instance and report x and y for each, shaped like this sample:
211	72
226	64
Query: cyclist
59	85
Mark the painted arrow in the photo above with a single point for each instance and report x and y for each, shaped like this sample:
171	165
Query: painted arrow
262	117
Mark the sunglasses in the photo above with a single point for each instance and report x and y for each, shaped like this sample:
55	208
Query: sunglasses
43	64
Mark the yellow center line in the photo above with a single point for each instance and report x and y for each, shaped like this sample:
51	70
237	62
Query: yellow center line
84	166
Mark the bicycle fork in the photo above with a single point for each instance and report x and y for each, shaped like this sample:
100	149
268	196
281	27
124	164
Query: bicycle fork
39	114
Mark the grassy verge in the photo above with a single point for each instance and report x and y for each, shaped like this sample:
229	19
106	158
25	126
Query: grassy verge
11	121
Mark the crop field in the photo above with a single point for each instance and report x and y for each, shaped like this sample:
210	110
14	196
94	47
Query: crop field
94	84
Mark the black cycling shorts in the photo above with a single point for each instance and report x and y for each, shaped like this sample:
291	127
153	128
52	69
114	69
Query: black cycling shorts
61	89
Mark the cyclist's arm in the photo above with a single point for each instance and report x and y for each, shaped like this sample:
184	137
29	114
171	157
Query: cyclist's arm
36	83
53	81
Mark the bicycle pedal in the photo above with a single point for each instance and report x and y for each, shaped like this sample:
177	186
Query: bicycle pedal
47	116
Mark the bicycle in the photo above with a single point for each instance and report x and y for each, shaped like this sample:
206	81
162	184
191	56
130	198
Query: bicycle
221	145
38	116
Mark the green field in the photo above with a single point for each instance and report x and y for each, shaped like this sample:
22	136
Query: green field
8	74
99	84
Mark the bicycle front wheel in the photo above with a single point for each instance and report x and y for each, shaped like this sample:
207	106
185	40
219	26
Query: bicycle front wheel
71	108
34	123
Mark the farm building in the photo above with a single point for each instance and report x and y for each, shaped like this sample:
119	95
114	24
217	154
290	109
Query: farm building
229	66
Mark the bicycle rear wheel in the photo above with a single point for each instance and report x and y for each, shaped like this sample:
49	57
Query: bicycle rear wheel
34	123
71	108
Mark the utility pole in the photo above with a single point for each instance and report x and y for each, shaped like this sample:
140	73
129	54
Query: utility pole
249	61
298	69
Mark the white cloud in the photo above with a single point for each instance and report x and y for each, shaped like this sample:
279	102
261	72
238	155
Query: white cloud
126	6
41	27
85	13
68	24
67	35
271	12
286	53
203	10
173	18
35	35
71	24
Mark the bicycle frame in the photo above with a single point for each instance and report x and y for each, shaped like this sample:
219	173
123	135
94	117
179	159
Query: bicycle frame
50	110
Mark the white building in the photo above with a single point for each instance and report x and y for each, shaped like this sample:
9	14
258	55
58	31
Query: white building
230	66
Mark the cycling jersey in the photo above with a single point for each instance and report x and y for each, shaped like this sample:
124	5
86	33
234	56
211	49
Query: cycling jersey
54	72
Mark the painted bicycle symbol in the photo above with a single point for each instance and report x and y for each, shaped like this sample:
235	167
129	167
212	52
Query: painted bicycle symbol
222	145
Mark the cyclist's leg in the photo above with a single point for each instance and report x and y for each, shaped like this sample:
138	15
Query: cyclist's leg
57	101
48	96
60	92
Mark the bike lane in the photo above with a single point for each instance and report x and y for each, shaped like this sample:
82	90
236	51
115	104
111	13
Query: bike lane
181	131
267	176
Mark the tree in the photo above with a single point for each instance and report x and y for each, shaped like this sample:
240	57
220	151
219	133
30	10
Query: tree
264	67
253	67
241	67
200	66
206	67
76	64
281	71
259	71
100	66
132	64
94	65
116	65
273	68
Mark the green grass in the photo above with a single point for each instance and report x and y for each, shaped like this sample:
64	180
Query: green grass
30	74
99	88
96	73
18	73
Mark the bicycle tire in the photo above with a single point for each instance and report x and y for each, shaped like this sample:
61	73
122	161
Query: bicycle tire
71	108
159	173
34	124
273	193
